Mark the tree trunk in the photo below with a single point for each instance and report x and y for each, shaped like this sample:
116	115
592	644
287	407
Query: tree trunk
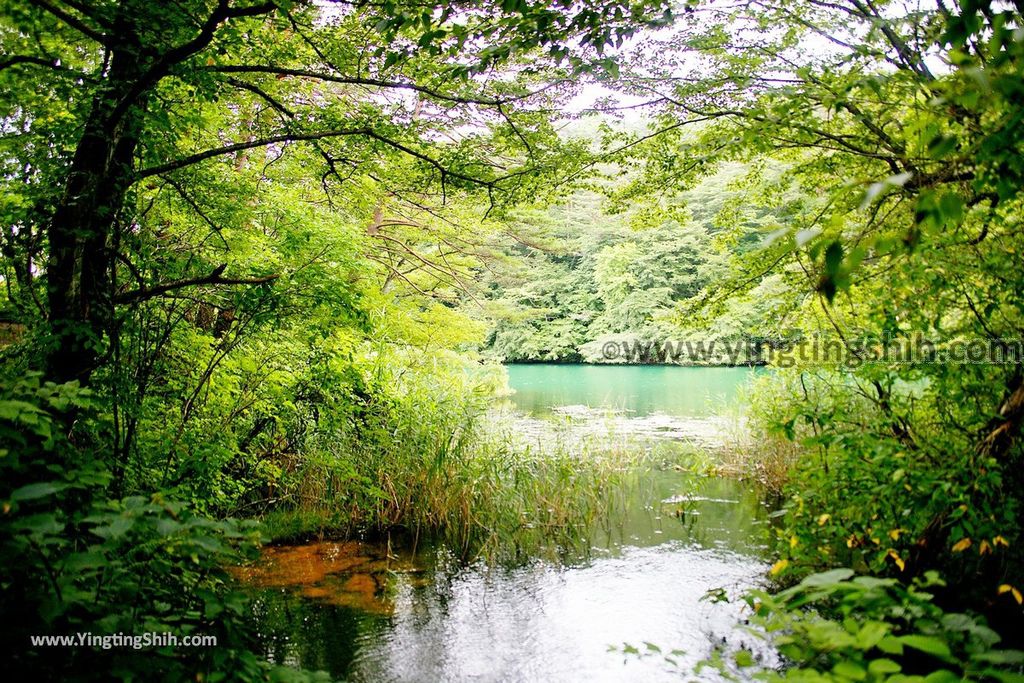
80	232
1004	429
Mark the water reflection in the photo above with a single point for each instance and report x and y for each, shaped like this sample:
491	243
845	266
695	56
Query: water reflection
545	623
365	614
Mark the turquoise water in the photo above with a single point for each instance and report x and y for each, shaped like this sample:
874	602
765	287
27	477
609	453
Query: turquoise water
638	390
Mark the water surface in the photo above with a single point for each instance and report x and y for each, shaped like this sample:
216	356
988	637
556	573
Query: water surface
382	612
638	390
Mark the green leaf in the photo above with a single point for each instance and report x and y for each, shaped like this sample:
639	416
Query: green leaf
40	525
1005	676
827	578
88	560
890	645
850	670
743	658
881	667
870	633
1000	657
927	644
167	527
33	491
116	529
942	676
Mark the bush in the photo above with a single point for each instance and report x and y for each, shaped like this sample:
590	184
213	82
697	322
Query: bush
834	626
76	562
892	490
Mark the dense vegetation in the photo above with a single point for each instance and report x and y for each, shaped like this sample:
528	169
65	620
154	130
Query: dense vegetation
582	276
255	255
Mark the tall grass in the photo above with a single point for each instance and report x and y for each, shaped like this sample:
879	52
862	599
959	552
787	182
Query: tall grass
750	450
425	461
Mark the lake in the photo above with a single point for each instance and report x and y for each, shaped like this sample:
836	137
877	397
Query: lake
637	390
369	612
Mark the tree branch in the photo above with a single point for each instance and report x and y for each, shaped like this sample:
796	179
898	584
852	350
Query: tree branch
176	55
214	278
351	80
51	64
1005	427
304	137
240	146
72	21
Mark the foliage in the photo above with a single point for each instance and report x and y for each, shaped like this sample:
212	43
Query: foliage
837	627
244	245
580	276
858	496
79	563
238	225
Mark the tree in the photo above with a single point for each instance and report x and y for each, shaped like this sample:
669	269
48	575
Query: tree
897	130
134	97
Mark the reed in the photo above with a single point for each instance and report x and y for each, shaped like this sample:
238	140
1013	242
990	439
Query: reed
430	461
479	495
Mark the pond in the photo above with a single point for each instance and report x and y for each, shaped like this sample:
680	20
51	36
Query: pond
637	390
379	612
697	405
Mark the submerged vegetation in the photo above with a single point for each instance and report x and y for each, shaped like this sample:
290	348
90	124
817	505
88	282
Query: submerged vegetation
261	261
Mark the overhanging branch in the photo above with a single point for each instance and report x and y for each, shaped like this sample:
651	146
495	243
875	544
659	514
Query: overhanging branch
314	136
350	80
51	64
214	278
72	21
176	55
242	146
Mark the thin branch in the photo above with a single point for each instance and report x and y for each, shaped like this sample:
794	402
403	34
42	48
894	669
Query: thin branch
377	83
241	146
176	55
72	21
264	95
195	207
214	278
321	135
352	80
90	12
51	64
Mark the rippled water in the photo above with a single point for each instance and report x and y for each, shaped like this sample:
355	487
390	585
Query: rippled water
366	614
546	623
374	612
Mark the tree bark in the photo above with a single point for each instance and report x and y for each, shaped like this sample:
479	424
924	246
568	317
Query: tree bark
1004	429
82	226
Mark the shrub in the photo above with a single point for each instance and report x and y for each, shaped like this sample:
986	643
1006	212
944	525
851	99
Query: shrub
834	626
77	562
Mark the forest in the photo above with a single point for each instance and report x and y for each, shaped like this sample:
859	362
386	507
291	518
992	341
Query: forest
326	322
